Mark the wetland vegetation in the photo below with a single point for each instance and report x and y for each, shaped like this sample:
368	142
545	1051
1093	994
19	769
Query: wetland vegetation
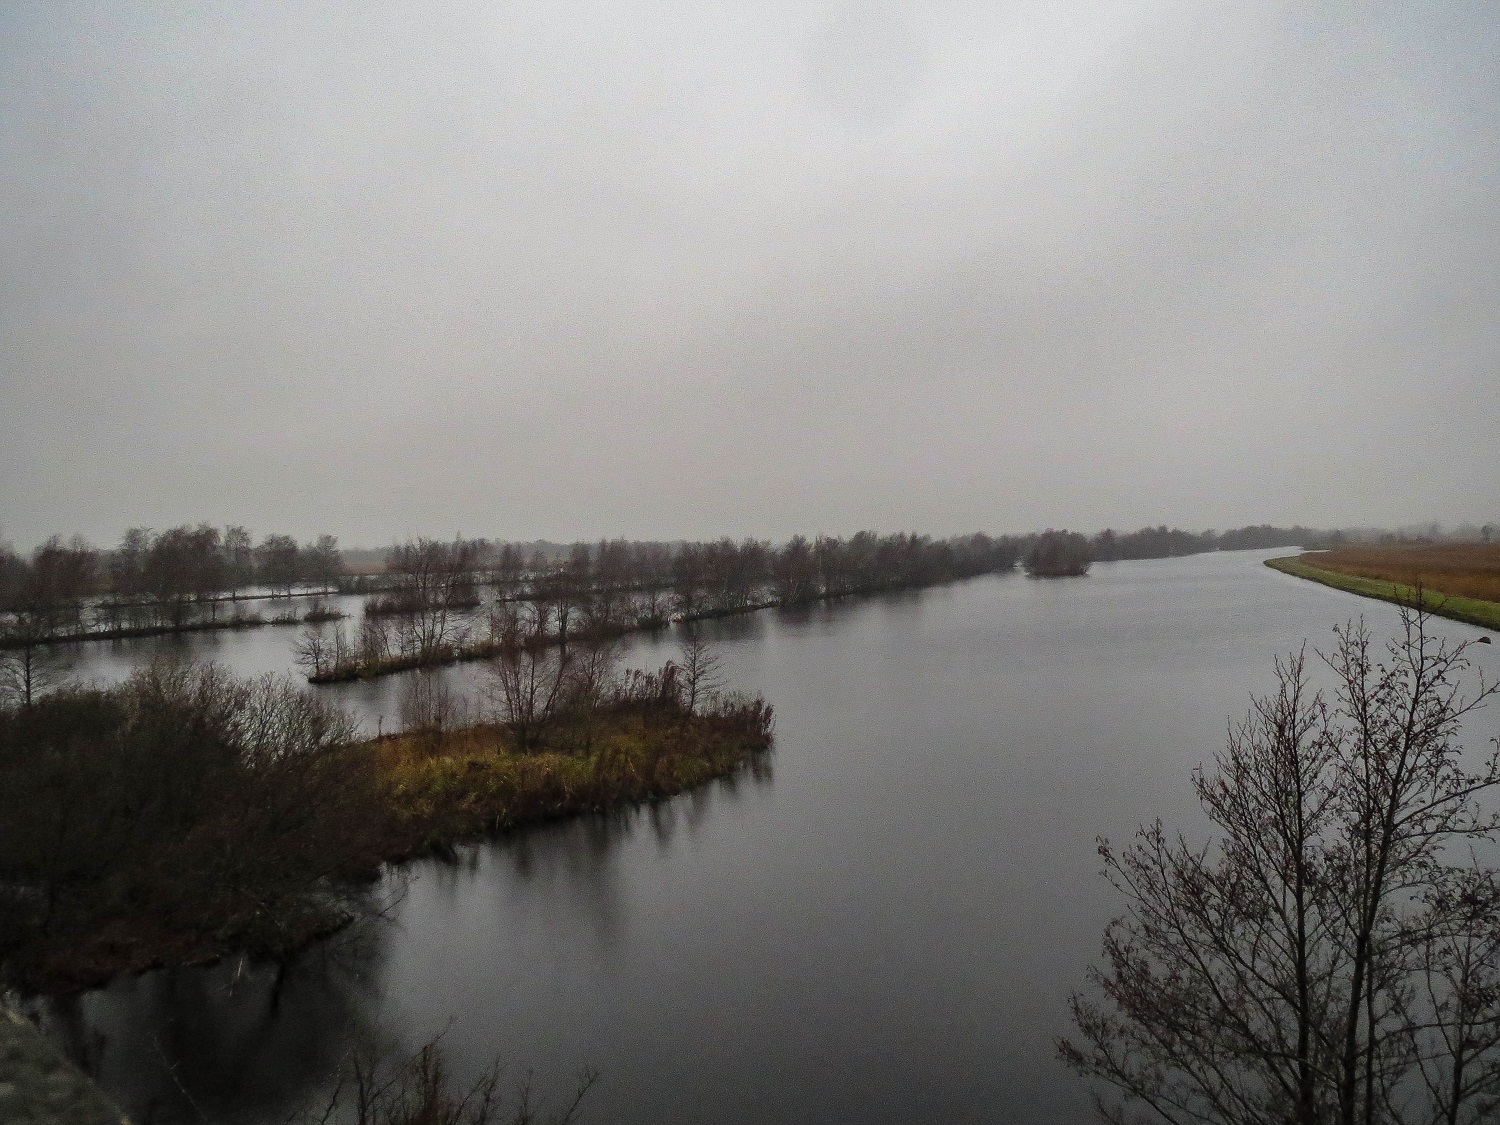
186	814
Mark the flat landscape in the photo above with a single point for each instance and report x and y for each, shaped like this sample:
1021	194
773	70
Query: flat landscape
1458	580
747	563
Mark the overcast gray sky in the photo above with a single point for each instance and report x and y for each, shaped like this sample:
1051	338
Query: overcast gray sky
692	268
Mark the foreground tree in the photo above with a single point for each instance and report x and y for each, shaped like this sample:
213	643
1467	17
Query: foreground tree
1333	958
419	1090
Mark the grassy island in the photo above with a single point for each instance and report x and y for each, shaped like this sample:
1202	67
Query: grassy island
1456	580
186	815
463	784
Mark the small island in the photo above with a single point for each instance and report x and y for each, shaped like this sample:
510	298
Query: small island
1059	554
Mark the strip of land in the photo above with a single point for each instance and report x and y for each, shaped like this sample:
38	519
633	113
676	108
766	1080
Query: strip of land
1457	581
229	816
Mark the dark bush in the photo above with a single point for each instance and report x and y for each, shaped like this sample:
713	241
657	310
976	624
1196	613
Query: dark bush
1058	554
183	809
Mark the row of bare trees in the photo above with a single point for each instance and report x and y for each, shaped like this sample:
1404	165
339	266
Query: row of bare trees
617	581
429	609
152	579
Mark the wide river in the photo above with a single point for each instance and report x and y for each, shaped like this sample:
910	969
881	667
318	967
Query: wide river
884	926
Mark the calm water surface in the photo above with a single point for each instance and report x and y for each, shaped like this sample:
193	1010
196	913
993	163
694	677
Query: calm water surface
884	927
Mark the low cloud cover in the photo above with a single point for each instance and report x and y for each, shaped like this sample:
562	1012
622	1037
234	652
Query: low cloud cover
690	269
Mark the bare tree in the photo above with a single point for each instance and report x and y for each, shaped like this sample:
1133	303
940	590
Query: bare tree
653	574
29	667
323	650
239	558
507	570
701	671
528	675
323	563
795	572
590	678
1332	958
420	1091
312	650
566	592
434	581
374	641
430	705
278	562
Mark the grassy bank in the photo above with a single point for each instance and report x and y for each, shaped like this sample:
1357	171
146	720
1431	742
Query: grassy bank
186	815
1474	611
1464	570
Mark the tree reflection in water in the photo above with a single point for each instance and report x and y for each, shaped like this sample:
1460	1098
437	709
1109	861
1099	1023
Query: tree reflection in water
233	1042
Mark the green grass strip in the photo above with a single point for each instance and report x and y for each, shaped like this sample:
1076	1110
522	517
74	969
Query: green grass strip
1474	611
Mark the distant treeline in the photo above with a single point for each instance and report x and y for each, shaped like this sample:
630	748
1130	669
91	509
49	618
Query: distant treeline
177	578
156	578
1061	554
1169	542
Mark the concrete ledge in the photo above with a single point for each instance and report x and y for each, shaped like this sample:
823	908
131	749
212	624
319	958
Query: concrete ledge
39	1087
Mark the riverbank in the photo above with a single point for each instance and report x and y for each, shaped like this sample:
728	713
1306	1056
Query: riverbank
192	884
139	632
1474	611
136	632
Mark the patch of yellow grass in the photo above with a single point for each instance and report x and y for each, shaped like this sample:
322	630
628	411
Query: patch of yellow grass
1466	570
1475	611
467	783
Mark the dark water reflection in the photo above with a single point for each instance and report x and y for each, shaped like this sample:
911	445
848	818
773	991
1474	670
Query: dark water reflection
236	1042
887	931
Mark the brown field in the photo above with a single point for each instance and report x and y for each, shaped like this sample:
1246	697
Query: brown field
1467	570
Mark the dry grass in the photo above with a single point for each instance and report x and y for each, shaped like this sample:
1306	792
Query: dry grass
1434	577
467	783
1466	570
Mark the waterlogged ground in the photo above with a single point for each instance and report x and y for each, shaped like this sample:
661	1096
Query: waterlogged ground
883	928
